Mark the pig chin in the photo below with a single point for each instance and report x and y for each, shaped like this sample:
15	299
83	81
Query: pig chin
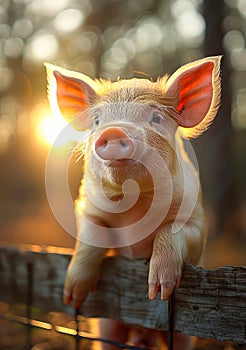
120	163
112	174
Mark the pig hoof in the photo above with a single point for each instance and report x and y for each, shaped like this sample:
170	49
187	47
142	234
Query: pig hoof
164	275
167	289
153	291
68	297
78	284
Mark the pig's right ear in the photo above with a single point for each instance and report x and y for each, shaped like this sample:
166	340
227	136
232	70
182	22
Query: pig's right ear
70	93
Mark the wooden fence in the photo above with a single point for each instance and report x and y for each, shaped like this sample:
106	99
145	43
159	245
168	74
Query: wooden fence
208	303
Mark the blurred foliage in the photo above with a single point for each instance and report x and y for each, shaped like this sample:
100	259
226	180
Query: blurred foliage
106	38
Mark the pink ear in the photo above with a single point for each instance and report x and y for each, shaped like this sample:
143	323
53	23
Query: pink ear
73	97
196	89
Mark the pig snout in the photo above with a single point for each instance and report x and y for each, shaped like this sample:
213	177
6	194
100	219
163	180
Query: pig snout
114	144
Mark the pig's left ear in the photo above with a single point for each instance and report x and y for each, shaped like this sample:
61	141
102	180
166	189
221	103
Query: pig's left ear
70	93
196	89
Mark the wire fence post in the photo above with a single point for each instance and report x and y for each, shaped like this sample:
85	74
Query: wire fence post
170	322
29	302
77	336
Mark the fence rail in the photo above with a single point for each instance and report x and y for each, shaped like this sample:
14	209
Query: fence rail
208	303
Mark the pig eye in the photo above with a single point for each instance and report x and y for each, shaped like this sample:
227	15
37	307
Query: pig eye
96	120
156	118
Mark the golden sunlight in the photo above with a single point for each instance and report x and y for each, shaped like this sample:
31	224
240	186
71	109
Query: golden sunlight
52	129
49	128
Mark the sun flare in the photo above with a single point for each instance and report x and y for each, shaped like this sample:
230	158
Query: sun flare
49	129
52	129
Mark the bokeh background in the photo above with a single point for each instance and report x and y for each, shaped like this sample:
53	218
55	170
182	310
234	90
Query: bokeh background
111	39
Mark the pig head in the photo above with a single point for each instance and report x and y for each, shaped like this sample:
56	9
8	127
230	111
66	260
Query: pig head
135	133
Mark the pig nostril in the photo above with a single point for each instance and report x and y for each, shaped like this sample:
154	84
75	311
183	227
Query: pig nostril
123	143
101	143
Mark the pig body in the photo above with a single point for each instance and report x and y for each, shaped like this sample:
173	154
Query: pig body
135	134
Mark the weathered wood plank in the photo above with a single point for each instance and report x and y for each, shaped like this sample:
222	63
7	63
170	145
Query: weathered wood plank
208	303
49	266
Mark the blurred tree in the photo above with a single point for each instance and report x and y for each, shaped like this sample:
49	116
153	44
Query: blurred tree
111	38
216	163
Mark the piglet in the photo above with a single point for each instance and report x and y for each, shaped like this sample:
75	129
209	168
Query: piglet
140	193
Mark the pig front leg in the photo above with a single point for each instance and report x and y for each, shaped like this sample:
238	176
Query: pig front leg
82	273
170	251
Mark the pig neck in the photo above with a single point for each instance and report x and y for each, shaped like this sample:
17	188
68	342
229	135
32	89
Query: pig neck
110	186
113	191
98	203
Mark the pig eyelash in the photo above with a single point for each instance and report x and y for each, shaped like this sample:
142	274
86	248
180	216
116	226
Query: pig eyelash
172	112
